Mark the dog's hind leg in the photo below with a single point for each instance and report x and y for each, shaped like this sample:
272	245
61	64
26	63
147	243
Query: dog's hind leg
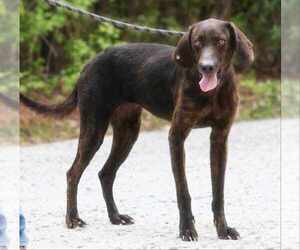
126	124
92	131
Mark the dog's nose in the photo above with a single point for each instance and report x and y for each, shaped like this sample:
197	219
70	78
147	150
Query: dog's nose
206	68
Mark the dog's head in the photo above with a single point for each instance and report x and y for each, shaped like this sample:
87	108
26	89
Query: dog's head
209	46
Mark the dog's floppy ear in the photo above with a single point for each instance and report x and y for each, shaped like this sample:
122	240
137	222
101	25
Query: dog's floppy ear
183	54
242	46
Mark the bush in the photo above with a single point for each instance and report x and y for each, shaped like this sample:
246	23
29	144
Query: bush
55	45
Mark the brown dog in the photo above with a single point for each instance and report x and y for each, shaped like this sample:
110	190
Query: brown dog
191	85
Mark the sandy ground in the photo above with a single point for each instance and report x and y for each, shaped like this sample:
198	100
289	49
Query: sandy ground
145	190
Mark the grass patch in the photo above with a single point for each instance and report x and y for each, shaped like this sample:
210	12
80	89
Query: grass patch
259	99
37	129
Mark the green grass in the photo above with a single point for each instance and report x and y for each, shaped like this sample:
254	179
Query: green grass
259	99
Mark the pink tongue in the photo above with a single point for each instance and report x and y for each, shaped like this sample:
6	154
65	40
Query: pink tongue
208	82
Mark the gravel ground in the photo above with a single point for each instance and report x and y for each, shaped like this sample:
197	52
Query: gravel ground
145	190
9	191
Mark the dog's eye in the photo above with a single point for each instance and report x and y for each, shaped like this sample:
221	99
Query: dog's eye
221	43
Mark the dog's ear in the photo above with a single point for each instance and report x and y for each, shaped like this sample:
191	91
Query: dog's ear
183	54
243	48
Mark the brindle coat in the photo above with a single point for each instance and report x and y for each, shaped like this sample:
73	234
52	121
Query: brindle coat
115	86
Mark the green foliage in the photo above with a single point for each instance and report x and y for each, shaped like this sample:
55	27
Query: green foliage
55	45
261	22
8	27
259	99
9	48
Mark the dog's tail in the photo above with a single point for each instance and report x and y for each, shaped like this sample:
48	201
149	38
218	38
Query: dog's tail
56	110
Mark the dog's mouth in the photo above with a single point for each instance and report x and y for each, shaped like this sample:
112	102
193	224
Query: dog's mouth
209	81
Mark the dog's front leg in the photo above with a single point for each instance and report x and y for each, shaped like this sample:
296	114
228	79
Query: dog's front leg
218	157
177	134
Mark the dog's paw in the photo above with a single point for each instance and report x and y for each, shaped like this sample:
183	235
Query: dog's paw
188	232
75	222
189	235
228	233
121	219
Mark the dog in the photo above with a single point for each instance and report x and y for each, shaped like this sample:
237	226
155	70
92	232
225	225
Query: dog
191	85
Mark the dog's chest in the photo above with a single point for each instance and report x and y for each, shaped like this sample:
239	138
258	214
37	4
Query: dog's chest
209	111
208	116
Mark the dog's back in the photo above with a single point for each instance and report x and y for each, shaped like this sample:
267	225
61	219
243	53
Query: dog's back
142	73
